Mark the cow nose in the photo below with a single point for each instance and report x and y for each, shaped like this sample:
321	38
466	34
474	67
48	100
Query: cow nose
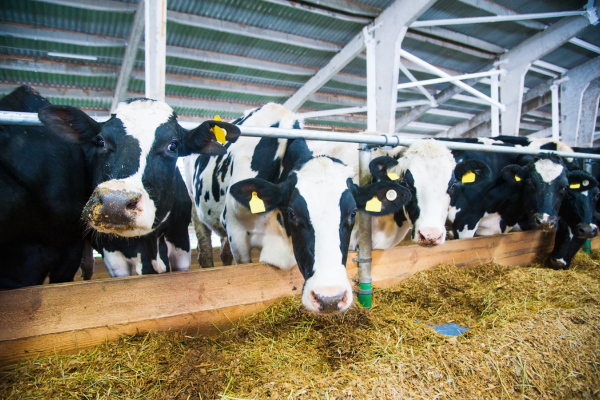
330	299
430	236
586	231
113	207
544	222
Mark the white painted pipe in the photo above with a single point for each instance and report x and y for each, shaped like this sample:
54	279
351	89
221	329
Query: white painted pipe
495	18
356	110
555	113
454	78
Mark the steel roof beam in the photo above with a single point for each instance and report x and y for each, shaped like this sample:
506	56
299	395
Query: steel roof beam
96	5
497	9
496	18
59	36
349	7
461	38
571	95
589	114
54	67
135	38
321	11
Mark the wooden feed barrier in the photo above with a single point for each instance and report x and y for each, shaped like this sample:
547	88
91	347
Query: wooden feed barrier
66	318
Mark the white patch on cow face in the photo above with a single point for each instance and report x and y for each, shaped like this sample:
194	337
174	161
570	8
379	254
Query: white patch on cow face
179	259
489	225
118	265
488	141
452	213
585	193
159	266
431	165
467	233
548	170
140	118
321	183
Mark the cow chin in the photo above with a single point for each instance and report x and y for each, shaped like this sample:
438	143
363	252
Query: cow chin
120	208
328	296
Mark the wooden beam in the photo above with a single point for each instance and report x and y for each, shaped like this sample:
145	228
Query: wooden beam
66	318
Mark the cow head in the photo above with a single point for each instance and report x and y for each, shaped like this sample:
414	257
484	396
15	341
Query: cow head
132	159
579	205
319	203
426	168
543	182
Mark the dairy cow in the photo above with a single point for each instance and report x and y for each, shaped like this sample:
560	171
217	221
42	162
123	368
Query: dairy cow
310	205
50	173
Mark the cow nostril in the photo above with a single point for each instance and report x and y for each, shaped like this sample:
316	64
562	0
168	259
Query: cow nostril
132	205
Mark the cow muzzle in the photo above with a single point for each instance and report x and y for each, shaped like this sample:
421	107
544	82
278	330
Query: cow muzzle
586	231
430	237
543	222
109	210
329	299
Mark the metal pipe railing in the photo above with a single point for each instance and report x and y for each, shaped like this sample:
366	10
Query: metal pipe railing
14	118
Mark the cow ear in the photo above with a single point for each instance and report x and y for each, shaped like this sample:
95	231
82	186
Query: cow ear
257	194
471	171
581	181
381	198
203	140
513	174
69	123
383	169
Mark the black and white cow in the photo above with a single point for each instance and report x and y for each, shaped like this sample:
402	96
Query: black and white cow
124	256
426	169
50	173
310	206
577	223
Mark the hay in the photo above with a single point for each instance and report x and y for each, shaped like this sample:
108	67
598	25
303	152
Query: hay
533	334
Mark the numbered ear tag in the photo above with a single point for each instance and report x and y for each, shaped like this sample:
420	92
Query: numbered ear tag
468	177
393	176
256	204
517	178
575	185
373	205
218	132
391	195
585	183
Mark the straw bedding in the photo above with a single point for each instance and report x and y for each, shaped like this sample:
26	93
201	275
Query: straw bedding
533	333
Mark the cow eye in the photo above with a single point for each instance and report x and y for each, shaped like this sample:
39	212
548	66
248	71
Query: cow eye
100	141
291	215
451	189
172	147
563	190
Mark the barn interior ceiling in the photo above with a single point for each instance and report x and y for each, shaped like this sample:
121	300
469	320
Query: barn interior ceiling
227	56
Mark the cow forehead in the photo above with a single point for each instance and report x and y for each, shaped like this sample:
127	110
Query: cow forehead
321	182
430	163
141	118
548	169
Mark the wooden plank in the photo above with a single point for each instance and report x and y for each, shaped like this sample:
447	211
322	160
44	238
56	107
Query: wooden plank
70	317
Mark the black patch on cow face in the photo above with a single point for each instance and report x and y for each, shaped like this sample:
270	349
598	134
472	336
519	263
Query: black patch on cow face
347	218
222	192
297	222
549	146
542	197
206	196
209	211
263	160
280	219
412	208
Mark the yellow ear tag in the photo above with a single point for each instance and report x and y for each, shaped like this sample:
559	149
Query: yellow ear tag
468	177
218	132
517	178
393	176
575	185
256	204
373	205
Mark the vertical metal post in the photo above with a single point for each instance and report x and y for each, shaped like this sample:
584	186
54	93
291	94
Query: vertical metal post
555	113
495	122
364	158
156	48
587	167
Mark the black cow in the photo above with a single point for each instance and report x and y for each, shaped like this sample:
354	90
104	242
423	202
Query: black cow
48	174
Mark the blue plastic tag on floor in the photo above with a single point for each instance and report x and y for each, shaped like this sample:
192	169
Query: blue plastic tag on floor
450	329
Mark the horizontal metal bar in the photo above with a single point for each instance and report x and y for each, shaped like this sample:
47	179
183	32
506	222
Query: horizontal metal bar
362	109
494	18
19	118
451	78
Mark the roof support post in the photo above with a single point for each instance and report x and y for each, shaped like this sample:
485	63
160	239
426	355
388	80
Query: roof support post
519	59
156	48
589	114
495	120
396	18
555	113
130	53
571	98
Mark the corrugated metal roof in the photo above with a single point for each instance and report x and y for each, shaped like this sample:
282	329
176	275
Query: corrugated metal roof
275	17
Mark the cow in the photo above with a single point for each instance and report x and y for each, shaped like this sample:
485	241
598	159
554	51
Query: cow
309	206
426	168
51	174
127	256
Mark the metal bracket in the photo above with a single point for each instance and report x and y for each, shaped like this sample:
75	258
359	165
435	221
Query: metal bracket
362	260
592	15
